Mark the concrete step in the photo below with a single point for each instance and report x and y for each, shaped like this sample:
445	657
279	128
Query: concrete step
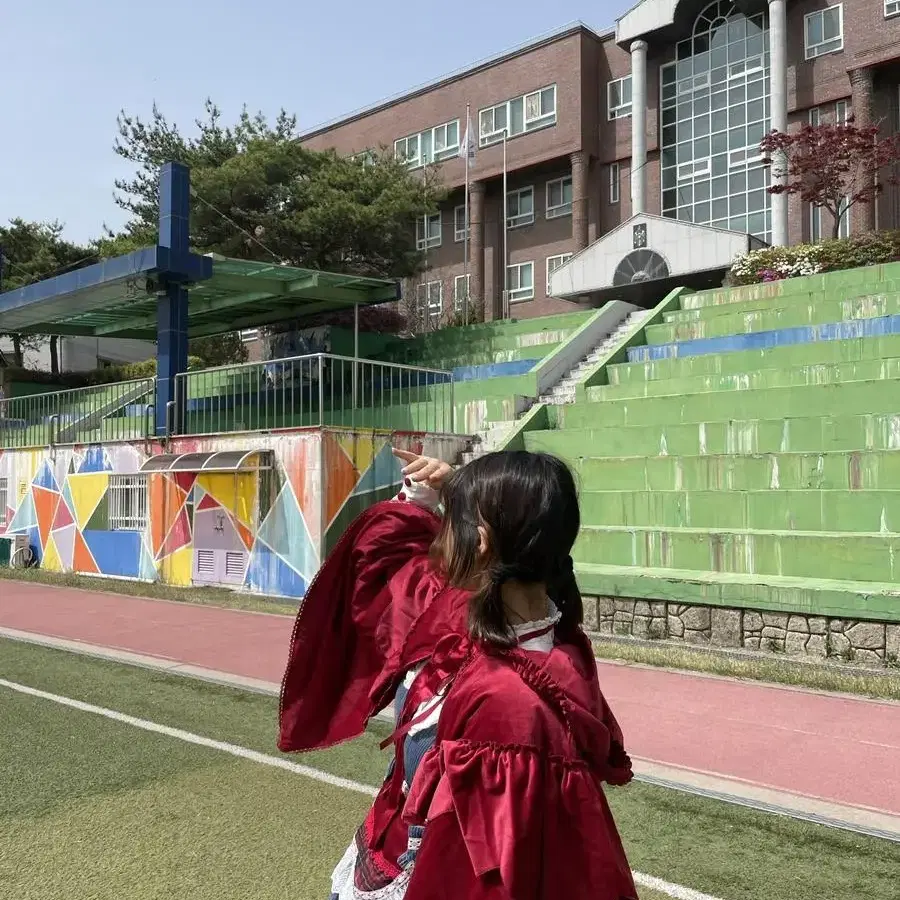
847	599
875	397
775	510
815	434
875	470
860	280
794	316
757	379
760	340
799	554
849	297
818	353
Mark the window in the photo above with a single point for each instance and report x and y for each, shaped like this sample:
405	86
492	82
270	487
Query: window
4	499
461	285
428	232
714	112
553	263
559	197
430	301
837	114
249	334
844	227
365	157
459	224
520	281
824	30
618	98
841	111
815	224
891	8
430	146
517	116
127	502
520	207
614	178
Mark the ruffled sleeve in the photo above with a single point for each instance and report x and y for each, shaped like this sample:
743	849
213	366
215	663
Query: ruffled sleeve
354	623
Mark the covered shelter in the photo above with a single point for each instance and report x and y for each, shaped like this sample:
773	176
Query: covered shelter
169	294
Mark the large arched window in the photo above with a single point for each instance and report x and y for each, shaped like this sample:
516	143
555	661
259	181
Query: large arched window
715	111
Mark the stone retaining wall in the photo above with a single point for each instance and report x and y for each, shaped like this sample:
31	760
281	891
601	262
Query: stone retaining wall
819	637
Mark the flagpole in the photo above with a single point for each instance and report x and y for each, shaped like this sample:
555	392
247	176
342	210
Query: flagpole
504	214
468	137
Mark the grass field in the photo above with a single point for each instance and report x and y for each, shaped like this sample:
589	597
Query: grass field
92	808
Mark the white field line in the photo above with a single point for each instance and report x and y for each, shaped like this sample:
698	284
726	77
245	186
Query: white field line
676	891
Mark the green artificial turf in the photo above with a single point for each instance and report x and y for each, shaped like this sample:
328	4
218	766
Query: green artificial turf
93	809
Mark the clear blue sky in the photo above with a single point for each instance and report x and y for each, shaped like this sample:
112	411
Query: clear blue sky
68	68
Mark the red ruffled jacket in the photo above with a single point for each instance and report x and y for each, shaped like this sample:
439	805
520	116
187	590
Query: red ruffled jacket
511	793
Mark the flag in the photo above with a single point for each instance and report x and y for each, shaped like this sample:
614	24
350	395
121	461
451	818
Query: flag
467	147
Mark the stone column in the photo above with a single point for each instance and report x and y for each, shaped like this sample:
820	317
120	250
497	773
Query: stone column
862	85
778	76
476	241
638	127
579	199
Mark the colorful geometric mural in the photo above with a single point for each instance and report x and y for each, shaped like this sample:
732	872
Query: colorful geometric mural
263	532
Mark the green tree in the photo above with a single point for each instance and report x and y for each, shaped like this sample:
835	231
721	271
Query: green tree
259	194
219	350
32	251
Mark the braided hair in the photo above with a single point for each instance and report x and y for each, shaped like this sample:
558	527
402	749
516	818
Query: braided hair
528	504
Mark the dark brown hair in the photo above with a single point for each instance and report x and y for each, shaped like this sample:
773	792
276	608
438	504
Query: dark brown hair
529	505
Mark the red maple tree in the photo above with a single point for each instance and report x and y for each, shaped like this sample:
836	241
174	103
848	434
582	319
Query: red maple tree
833	165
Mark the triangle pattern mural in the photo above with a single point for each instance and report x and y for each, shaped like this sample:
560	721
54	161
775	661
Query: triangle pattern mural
65	544
45	503
82	558
285	533
86	491
44	478
25	516
63	515
384	471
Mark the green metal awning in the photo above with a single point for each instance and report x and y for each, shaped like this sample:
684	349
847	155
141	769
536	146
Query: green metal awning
240	294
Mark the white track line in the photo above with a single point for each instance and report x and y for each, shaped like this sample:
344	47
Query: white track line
676	891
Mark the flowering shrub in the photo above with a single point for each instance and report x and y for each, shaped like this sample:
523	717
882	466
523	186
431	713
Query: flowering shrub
775	263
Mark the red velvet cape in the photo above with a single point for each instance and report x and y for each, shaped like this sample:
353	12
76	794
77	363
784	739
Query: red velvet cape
511	794
376	608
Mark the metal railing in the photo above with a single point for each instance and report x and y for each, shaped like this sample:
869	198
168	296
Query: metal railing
118	411
315	390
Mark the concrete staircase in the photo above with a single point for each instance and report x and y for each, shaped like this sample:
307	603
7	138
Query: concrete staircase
494	433
747	453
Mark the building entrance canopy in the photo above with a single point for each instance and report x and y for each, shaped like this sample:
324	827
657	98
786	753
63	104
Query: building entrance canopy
645	257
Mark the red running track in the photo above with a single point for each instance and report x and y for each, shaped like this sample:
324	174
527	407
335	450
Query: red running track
836	748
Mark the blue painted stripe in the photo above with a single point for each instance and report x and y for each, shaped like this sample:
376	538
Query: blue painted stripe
494	370
763	340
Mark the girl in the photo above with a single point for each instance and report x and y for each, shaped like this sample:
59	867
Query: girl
472	624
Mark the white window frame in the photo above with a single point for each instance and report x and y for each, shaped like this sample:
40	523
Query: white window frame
823	48
520	218
249	334
845	228
695	168
621	110
891	8
560	259
519	294
425	240
815	223
128	502
460	298
842	110
530	122
4	499
615	178
748	67
459	224
534	120
421	157
561	209
743	156
430	302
